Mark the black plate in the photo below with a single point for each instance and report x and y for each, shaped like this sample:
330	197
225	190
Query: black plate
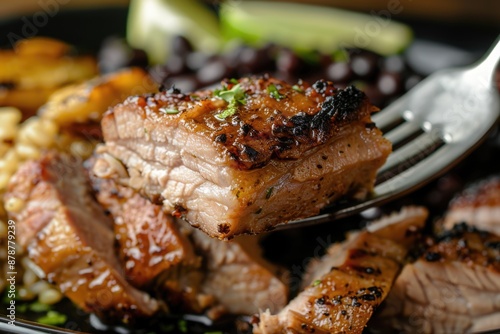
88	28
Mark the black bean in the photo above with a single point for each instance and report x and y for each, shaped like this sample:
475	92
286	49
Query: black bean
185	83
115	53
288	62
232	57
374	95
339	72
176	64
364	65
395	63
139	58
159	73
254	61
389	84
325	60
215	70
181	46
196	60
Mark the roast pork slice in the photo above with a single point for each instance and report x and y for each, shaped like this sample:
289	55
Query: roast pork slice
454	287
149	240
238	276
69	238
478	205
248	156
346	285
232	276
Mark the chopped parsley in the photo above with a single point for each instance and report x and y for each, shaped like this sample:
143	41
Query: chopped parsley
297	89
269	192
169	111
273	91
316	282
182	326
53	318
39	307
234	97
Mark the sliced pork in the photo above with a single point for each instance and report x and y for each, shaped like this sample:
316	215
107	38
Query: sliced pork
70	239
239	277
454	287
478	205
248	156
149	241
194	273
346	286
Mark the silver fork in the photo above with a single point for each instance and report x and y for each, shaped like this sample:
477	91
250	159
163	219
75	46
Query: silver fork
432	127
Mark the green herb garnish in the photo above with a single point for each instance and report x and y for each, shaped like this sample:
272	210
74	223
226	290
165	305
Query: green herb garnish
297	89
234	81
22	308
273	91
169	111
39	307
53	318
182	325
234	97
316	282
269	192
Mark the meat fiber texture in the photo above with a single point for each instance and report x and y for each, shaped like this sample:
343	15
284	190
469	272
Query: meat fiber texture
453	288
191	271
345	286
251	155
478	205
70	239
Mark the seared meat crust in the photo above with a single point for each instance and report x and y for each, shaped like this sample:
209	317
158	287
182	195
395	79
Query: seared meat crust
478	205
255	154
264	127
346	285
454	287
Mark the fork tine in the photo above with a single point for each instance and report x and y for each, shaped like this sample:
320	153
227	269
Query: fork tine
402	132
412	152
390	114
423	171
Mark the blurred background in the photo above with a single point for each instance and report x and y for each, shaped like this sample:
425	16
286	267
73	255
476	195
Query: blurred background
482	12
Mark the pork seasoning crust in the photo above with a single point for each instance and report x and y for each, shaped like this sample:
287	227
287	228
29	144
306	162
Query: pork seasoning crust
253	154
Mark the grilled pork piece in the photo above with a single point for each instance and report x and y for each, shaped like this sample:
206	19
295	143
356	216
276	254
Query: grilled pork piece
68	236
453	288
249	156
149	241
155	254
351	280
234	277
238	276
478	205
